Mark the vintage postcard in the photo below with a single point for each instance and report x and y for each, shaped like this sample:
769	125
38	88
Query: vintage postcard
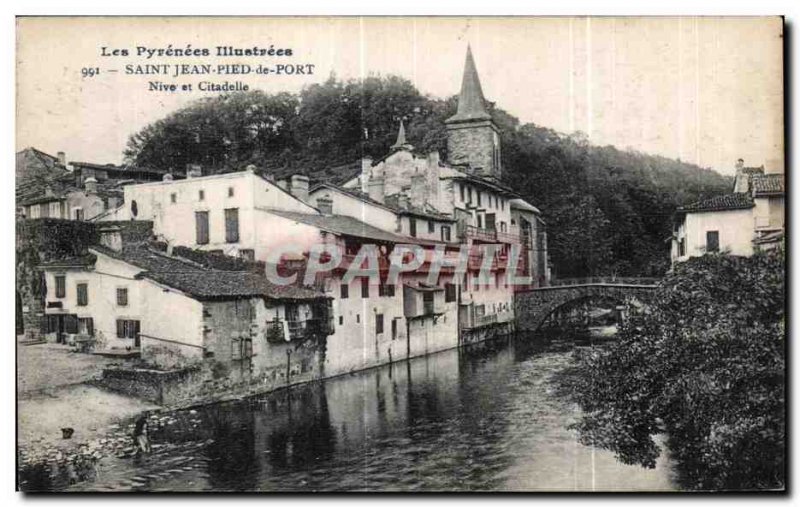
406	254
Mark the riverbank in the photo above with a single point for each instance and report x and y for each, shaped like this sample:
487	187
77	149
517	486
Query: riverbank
55	391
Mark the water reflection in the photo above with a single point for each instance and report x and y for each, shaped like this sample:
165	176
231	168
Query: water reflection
484	418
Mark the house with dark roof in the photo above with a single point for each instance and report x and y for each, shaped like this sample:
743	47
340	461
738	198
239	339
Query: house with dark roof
749	218
137	300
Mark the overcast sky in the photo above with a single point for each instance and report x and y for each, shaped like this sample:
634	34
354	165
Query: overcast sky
705	90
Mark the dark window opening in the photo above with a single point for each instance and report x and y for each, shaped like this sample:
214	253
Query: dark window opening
412	224
83	294
431	227
61	286
232	225
712	241
365	287
122	297
379	323
449	292
201	227
344	291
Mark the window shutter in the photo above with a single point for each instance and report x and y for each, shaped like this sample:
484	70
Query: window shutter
71	324
120	328
201	226
232	225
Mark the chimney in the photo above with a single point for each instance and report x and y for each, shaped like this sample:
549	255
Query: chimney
90	185
375	188
433	159
402	200
299	187
283	184
325	205
741	183
251	168
193	171
167	177
62	158
111	237
418	193
366	171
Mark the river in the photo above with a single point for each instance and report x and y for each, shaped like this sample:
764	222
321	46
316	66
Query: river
487	418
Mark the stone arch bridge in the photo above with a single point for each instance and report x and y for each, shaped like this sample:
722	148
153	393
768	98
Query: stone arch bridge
534	306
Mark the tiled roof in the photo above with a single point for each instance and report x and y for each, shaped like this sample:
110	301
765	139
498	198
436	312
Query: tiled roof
389	204
721	203
202	283
752	170
771	237
81	261
343	225
765	184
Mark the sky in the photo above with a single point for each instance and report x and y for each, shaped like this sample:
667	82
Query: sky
706	90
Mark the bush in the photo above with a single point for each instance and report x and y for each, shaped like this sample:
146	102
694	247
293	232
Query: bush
704	363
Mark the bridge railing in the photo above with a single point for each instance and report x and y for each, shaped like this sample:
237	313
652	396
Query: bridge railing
617	280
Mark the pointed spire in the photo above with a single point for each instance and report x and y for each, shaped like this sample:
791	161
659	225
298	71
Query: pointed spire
471	104
401	138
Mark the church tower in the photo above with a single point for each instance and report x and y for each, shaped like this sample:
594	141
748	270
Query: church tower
472	137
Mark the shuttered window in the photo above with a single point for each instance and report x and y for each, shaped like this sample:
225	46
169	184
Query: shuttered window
127	328
379	323
232	225
83	294
122	297
712	241
61	286
201	227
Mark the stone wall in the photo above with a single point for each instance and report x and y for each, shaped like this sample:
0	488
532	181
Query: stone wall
472	144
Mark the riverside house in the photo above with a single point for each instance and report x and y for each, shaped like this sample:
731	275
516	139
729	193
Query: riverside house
749	218
129	300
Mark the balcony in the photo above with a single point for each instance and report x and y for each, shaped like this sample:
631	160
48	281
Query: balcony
298	330
478	234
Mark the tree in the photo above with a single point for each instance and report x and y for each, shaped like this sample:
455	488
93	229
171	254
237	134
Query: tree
704	363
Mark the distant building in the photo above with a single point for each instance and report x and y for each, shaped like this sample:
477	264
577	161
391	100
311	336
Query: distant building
749	218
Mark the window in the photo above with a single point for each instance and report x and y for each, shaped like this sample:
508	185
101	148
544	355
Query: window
232	225
431	227
344	291
364	287
86	326
230	191
61	286
449	292
79	214
83	294
469	196
201	195
479	197
681	247
379	323
412	224
122	296
461	191
241	348
480	222
445	233
394	329
173	198
341	320
127	328
386	290
358	318
201	227
712	241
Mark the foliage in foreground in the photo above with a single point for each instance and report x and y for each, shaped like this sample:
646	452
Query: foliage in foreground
705	365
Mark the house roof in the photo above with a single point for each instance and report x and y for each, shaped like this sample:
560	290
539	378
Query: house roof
770	237
720	203
490	184
202	283
389	204
471	104
343	225
767	184
118	169
79	261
